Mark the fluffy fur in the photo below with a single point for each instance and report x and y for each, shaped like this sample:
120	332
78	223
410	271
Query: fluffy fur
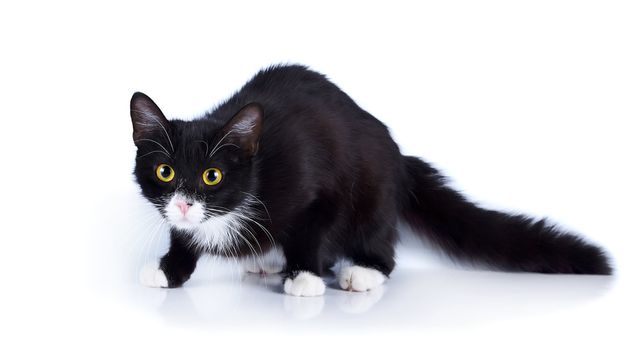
308	172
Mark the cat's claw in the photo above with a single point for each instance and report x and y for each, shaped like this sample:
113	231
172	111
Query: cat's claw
360	279
305	284
151	276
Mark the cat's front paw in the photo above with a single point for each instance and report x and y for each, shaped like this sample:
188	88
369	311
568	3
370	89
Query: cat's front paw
305	284
151	276
360	279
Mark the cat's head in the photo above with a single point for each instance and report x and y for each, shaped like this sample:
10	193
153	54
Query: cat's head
194	171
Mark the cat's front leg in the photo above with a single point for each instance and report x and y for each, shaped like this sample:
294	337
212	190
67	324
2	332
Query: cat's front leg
302	250
304	284
303	272
175	267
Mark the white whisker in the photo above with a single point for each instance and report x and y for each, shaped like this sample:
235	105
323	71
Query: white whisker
240	214
261	202
156	151
223	145
157	143
218	143
206	145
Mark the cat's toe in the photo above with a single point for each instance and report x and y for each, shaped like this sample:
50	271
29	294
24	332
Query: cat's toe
151	276
305	284
360	279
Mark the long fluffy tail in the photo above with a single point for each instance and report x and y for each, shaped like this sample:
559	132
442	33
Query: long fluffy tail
508	242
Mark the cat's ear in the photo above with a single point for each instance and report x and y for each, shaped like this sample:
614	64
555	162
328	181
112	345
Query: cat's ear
147	118
244	129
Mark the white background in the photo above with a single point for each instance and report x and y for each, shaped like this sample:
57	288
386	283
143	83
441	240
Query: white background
528	106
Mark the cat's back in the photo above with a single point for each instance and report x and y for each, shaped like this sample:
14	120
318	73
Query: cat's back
302	105
285	89
286	73
300	99
310	125
285	81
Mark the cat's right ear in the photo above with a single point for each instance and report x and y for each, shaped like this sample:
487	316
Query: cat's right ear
147	118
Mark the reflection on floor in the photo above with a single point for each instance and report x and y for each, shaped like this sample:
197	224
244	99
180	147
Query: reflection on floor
221	295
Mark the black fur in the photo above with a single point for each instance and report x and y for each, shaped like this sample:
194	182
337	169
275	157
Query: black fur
334	185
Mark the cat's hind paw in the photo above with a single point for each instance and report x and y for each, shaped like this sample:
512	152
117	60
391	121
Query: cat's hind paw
360	279
270	263
254	268
151	276
305	284
259	266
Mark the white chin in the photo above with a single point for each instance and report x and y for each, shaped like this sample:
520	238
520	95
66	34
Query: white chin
183	224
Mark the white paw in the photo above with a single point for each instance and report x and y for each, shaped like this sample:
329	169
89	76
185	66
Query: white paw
360	279
305	284
151	276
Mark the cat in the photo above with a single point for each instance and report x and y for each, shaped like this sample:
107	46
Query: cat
290	170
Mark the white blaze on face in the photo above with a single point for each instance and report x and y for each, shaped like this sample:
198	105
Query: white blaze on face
184	213
218	231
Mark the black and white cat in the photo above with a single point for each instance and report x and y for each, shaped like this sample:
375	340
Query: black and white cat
292	172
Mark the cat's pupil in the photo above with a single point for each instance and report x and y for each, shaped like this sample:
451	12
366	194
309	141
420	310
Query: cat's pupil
212	175
165	171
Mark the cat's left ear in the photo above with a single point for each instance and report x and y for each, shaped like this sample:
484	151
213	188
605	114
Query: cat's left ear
244	129
147	118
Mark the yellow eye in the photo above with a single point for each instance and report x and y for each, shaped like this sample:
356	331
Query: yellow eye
165	172
212	176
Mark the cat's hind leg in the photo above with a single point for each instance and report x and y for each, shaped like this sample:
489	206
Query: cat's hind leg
372	258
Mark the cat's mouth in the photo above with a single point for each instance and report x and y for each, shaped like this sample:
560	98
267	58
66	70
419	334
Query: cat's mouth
183	212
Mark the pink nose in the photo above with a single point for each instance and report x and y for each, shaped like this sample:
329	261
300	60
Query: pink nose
183	206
